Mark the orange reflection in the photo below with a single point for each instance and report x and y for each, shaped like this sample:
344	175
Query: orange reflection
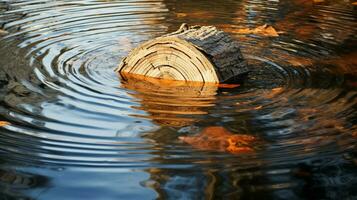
4	123
264	30
346	63
354	133
171	102
216	138
195	14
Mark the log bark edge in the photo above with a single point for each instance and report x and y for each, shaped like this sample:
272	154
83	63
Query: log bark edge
196	53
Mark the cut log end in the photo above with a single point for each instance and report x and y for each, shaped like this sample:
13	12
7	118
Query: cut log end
200	54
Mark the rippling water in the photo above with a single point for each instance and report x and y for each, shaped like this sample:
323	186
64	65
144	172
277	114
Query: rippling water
77	131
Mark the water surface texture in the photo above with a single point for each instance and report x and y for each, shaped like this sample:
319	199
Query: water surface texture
77	131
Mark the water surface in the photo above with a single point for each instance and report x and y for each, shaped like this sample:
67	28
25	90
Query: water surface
77	131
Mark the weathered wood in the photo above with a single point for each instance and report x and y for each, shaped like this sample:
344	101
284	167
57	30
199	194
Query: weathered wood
203	54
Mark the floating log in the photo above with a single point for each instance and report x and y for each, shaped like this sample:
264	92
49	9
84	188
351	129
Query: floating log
196	53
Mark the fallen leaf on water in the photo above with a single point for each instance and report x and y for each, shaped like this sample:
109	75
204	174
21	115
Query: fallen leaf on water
217	138
236	142
265	30
4	123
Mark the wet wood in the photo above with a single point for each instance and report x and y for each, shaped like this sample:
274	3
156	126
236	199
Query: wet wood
202	54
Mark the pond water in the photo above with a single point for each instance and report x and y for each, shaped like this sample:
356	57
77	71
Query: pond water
76	131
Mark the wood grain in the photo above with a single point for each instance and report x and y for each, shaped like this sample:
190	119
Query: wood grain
201	54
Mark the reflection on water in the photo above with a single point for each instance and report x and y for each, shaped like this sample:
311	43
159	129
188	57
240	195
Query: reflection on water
216	138
171	103
79	131
15	183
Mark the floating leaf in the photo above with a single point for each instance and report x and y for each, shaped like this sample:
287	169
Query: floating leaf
217	138
264	30
236	144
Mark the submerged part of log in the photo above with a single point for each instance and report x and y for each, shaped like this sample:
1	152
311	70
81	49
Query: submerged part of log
203	54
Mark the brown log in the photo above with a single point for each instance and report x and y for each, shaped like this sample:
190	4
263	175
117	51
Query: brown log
203	54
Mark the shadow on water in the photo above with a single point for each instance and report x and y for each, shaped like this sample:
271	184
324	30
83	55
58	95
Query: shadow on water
292	161
77	131
14	184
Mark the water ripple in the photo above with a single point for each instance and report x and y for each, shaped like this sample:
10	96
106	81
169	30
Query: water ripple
67	107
